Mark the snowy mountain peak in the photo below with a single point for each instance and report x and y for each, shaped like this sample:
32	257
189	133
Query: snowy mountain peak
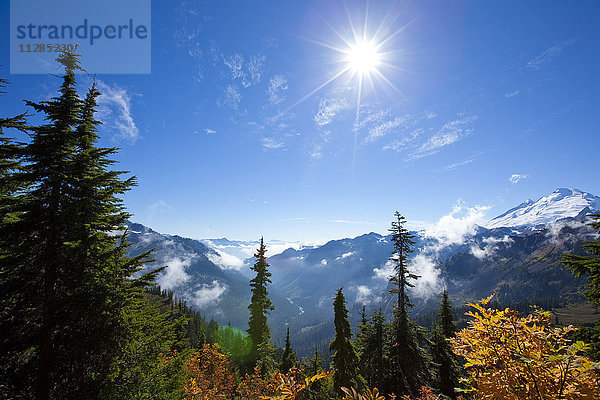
562	203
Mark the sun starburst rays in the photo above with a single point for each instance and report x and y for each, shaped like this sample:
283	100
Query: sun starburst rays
360	55
363	54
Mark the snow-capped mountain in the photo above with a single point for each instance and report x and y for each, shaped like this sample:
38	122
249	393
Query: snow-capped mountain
562	203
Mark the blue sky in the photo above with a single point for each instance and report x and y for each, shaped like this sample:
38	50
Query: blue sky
481	105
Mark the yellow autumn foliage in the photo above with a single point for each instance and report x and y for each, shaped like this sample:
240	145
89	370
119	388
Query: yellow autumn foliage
513	357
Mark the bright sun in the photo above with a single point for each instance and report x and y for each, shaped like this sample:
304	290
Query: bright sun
363	57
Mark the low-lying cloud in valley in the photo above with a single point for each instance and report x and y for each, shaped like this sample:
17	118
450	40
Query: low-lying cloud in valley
208	294
175	275
490	246
453	229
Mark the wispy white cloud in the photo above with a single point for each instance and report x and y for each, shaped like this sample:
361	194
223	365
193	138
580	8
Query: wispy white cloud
256	66
209	294
114	108
490	246
516	178
407	132
344	221
364	295
235	63
371	116
512	94
385	272
249	73
157	208
450	133
277	87
549	54
407	139
300	219
429	283
459	164
175	274
231	97
159	205
576	231
383	128
225	260
271	143
345	255
455	226
403	130
209	131
329	107
316	151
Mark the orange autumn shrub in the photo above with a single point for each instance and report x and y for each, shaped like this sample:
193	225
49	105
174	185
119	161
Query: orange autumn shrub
255	386
352	394
291	384
512	357
210	375
425	393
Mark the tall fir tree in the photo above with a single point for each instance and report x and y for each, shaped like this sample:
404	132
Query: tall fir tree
345	357
38	233
260	306
589	265
288	358
446	364
408	359
65	261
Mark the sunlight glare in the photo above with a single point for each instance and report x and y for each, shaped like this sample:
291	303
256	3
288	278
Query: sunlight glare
363	57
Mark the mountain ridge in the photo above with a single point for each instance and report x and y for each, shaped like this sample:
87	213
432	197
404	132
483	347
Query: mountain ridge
514	263
562	203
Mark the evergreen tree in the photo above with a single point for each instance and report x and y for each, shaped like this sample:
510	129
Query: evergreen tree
62	265
259	307
34	233
345	357
371	350
288	359
445	318
212	332
589	265
149	360
447	367
315	363
407	358
17	303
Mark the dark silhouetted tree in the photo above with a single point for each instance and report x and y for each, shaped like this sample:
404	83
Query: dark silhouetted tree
345	357
259	307
59	235
446	365
371	349
288	359
408	362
